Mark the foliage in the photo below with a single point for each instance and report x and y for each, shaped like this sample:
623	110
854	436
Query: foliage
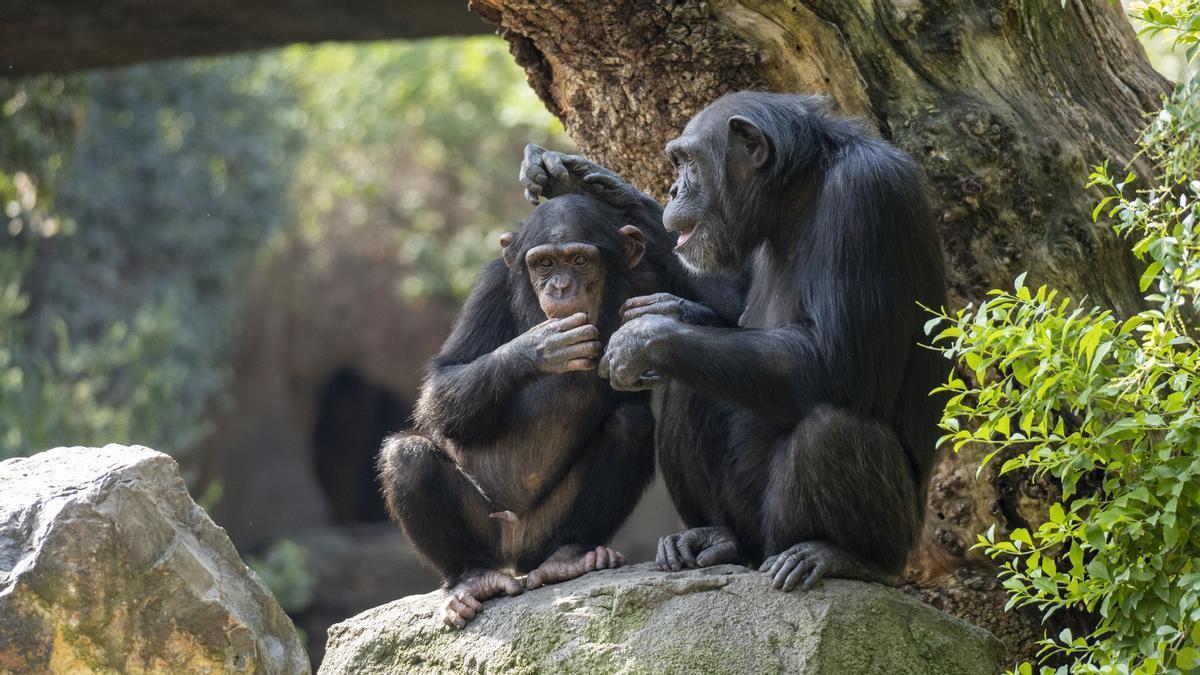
1109	408
117	297
423	134
138	201
284	569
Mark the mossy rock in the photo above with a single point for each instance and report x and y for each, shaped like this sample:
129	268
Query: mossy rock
724	619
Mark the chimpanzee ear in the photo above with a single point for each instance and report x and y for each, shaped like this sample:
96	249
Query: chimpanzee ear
635	245
506	240
748	143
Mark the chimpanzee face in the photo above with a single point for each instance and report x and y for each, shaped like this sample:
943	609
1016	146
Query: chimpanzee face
568	278
574	255
717	160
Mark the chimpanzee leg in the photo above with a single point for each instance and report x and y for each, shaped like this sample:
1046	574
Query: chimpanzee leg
610	477
446	519
693	434
840	501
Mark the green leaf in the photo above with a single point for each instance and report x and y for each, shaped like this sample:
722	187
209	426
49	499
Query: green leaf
1186	658
1056	513
1150	275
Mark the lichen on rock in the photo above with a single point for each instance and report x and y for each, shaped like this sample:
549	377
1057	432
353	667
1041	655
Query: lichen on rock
107	565
724	619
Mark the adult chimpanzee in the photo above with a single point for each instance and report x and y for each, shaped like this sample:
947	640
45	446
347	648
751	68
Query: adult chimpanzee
803	438
521	460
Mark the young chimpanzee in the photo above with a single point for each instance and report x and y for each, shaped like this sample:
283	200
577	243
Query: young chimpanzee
803	438
523	460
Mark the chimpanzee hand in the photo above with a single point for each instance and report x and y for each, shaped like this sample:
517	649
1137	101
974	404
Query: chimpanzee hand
546	173
665	304
697	547
560	345
631	356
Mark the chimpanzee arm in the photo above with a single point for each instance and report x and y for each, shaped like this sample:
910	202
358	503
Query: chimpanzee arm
546	173
486	361
774	372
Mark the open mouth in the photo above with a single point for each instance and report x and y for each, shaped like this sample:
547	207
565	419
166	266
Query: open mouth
685	233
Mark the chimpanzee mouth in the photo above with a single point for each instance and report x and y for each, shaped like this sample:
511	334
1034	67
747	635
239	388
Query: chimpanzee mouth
685	233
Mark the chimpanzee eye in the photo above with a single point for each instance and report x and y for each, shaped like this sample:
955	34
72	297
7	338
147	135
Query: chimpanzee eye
579	260
545	263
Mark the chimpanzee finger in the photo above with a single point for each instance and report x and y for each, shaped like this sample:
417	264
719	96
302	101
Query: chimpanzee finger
659	309
534	177
797	574
619	558
686	556
574	321
817	574
592	349
602	371
462	609
554	165
603	180
470	601
643	300
530	197
602	559
766	565
577	164
570	336
781	561
579	365
451	617
533	155
714	554
660	556
672	555
784	570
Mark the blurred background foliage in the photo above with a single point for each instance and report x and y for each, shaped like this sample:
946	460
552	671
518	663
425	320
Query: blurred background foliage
139	201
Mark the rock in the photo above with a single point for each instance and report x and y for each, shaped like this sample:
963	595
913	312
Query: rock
723	619
106	564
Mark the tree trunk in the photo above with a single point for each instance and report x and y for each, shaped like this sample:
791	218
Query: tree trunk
1004	104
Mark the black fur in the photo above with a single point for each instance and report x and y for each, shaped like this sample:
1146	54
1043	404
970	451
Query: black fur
812	420
565	452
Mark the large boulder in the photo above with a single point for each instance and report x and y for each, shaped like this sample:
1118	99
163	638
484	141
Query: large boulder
723	619
106	564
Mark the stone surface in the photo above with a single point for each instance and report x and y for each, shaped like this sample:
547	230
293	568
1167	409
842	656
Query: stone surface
107	565
723	619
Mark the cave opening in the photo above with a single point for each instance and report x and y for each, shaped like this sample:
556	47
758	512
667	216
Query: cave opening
354	415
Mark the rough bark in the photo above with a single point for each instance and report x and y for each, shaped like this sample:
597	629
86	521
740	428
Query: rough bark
1004	105
60	35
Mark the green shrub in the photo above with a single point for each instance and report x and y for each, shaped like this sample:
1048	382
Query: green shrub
1108	407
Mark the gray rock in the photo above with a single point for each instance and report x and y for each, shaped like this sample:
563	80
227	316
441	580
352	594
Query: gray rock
724	619
107	565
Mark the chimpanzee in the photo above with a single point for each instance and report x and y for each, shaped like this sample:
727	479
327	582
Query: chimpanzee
802	439
522	459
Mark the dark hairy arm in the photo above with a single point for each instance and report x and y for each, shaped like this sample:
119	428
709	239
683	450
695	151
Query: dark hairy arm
486	361
774	372
548	174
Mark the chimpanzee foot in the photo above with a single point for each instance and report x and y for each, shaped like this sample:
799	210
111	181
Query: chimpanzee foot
808	562
469	592
697	547
572	561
